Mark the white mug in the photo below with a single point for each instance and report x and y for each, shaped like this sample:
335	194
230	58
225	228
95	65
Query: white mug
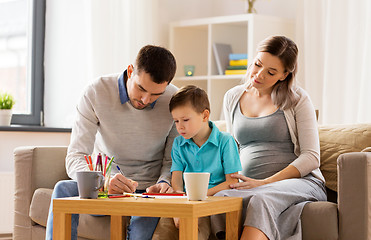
196	184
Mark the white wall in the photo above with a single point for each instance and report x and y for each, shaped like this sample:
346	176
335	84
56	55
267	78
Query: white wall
66	71
97	39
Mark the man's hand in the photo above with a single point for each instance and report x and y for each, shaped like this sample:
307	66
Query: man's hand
120	184
160	188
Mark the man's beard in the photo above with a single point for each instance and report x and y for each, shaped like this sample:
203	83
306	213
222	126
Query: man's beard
141	105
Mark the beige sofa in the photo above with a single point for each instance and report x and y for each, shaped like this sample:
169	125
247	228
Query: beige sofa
348	176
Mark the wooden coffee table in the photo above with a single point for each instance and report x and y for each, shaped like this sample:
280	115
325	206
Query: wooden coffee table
187	211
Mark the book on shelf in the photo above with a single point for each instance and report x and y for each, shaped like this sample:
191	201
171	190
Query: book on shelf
232	72
242	67
221	54
240	62
237	56
237	64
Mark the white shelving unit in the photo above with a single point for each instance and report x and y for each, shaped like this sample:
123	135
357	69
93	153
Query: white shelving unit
191	42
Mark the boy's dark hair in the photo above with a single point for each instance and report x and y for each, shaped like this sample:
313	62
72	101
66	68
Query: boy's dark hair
190	95
158	62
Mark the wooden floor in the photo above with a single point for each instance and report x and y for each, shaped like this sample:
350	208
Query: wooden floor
6	236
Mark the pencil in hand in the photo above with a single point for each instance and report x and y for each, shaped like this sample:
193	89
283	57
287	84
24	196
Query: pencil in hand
122	173
118	168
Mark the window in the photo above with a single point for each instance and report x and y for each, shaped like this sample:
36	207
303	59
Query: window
22	25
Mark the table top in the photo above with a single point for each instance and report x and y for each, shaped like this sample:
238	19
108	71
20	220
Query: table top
150	207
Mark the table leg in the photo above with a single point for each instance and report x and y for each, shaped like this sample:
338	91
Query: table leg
188	228
233	225
117	232
61	226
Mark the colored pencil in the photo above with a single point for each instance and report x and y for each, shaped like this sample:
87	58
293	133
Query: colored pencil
164	194
110	163
87	161
117	196
91	162
105	166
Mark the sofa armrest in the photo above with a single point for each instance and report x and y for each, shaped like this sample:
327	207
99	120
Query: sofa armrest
34	167
354	195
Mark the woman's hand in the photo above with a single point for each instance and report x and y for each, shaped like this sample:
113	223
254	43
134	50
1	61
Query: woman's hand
247	182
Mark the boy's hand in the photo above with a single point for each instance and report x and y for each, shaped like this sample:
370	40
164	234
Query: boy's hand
119	184
160	188
178	191
176	222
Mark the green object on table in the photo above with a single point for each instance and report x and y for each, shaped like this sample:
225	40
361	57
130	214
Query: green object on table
103	192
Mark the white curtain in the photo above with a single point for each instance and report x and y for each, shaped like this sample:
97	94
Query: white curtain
88	38
336	38
119	28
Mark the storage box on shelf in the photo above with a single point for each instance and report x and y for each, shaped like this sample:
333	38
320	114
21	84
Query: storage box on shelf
191	41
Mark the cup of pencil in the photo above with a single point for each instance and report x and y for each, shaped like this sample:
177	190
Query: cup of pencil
105	168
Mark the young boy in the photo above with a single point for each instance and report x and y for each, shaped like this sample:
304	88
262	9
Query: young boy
201	147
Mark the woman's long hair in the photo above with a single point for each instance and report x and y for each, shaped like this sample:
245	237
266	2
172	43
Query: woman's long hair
286	50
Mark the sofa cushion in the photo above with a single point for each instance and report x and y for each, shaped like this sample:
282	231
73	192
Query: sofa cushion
38	208
338	139
320	219
39	214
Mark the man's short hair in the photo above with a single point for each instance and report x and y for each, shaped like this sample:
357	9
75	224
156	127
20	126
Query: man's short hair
190	95
158	62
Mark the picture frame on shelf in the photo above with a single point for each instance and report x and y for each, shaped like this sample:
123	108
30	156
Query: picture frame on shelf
221	54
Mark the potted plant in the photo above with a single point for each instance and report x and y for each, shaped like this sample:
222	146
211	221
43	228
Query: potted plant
6	105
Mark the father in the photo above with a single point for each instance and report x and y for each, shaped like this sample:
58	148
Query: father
126	116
